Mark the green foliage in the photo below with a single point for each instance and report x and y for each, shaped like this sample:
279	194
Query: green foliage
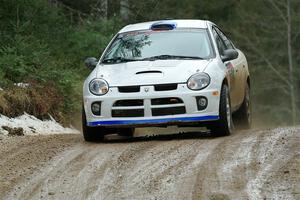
40	46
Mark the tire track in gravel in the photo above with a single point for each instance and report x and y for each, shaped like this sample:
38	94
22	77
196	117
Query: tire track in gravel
23	156
225	176
247	165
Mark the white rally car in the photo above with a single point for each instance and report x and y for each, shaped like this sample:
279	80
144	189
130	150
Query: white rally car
162	73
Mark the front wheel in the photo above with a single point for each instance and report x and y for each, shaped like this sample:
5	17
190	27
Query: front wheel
224	126
91	134
243	115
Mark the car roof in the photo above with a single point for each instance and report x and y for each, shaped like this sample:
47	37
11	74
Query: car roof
181	23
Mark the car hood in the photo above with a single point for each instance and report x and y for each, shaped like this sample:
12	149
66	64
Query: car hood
150	72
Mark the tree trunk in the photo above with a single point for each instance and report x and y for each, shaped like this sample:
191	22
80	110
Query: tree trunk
290	60
104	5
124	9
113	8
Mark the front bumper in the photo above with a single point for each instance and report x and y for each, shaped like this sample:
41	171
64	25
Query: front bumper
191	115
155	121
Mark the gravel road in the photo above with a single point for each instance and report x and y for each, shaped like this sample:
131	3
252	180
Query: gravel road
251	164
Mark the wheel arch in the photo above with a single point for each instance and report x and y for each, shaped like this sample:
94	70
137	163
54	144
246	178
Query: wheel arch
248	81
225	81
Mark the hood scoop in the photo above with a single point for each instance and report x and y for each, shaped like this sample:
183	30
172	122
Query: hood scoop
149	72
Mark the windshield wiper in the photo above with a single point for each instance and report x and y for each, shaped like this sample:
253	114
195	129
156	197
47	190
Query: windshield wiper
166	57
117	60
159	57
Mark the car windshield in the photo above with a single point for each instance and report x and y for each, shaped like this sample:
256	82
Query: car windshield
153	45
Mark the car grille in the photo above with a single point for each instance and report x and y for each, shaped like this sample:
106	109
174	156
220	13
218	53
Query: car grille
128	113
167	106
128	108
159	87
166	101
134	102
128	89
158	107
168	111
165	87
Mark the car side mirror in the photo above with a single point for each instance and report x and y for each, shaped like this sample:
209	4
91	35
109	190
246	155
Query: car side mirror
91	62
229	54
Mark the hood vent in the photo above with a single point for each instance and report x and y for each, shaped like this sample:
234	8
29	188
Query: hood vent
149	72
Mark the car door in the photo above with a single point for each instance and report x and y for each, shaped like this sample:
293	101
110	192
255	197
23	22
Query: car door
234	68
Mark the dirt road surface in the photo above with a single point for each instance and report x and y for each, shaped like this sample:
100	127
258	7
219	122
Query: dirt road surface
247	165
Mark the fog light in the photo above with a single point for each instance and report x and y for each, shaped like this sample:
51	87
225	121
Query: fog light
201	103
96	108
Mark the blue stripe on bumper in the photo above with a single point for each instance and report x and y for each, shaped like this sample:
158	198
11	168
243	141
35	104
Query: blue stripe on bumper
154	121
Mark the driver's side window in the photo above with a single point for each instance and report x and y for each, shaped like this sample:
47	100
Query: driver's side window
225	39
220	43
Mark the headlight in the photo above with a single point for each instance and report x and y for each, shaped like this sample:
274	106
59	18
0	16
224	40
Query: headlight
198	81
98	87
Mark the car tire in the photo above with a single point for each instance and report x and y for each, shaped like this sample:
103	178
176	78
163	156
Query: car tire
224	126
127	132
242	116
91	134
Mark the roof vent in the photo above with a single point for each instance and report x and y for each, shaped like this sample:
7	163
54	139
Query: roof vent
160	26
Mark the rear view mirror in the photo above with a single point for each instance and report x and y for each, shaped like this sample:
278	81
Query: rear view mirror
91	62
229	54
